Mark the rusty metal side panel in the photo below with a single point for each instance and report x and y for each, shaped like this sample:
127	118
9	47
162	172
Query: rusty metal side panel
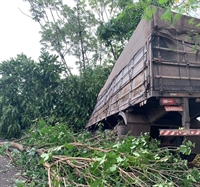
127	94
136	42
176	66
126	89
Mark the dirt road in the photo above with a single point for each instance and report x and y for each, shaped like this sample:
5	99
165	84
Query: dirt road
8	173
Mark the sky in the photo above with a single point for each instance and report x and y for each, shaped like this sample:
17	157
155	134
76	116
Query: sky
18	33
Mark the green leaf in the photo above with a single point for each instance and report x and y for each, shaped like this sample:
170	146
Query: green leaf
117	145
58	148
69	146
45	156
136	154
197	25
119	159
150	11
162	1
164	159
185	149
191	21
167	16
102	160
113	168
177	17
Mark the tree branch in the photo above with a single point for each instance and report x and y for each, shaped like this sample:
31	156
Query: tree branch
25	13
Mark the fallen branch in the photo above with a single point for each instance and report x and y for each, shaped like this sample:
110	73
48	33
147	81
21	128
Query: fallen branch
48	168
89	147
20	147
25	137
13	145
8	154
61	158
77	144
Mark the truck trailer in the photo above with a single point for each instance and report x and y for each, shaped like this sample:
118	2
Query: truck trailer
154	85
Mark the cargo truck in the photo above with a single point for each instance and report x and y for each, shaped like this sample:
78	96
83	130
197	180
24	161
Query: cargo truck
154	85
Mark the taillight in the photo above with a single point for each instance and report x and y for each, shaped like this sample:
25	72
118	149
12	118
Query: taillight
170	101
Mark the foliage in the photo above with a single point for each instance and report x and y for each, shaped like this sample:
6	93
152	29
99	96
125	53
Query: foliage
68	30
117	31
174	11
180	7
90	30
106	9
31	90
27	91
16	78
101	159
190	7
79	96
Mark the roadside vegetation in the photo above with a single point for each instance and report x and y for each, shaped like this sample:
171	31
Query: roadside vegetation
44	107
53	155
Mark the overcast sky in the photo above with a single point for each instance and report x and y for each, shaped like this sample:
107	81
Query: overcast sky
18	33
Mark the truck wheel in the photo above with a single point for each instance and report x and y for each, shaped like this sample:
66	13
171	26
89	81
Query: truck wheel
178	141
190	157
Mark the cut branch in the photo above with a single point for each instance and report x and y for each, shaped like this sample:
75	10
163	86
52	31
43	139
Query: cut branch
13	145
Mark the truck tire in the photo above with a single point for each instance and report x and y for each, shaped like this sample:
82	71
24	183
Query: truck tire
189	158
178	141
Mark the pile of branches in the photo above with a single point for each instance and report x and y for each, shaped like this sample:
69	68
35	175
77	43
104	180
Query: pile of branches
62	158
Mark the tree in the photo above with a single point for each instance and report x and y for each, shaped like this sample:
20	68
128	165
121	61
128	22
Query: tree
79	95
32	90
27	91
116	32
45	13
106	10
16	78
71	30
190	7
67	30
